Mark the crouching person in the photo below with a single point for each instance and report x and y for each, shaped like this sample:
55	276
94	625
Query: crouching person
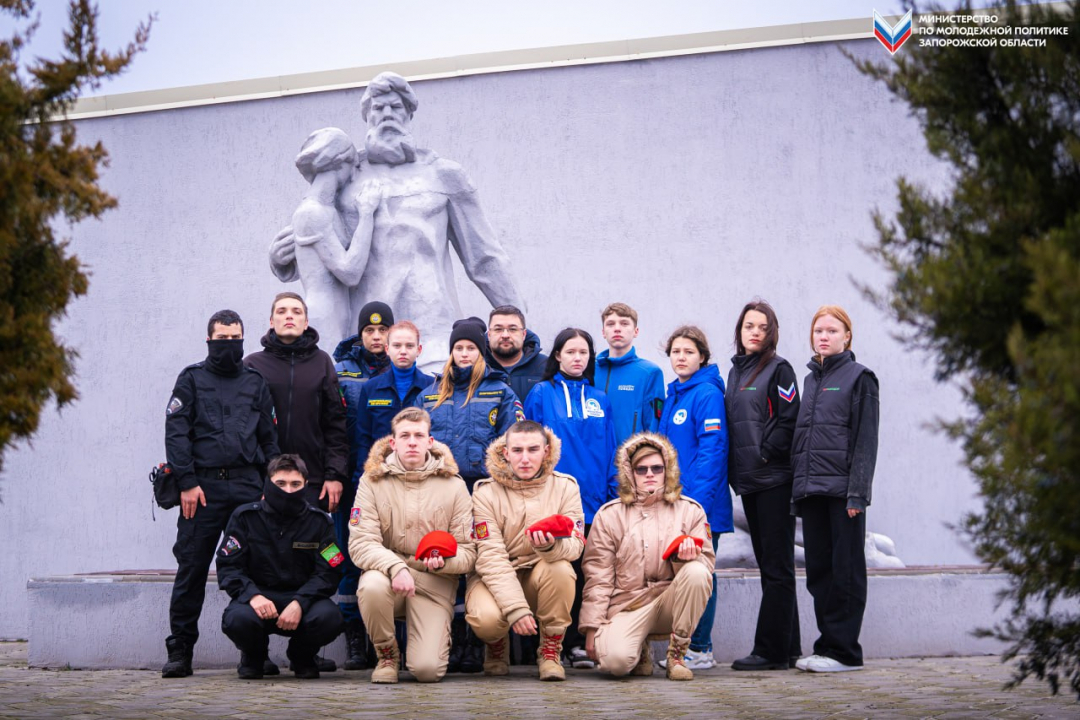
409	532
649	564
279	564
528	525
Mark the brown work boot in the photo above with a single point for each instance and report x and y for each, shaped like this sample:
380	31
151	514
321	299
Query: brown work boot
497	657
644	665
676	659
549	654
386	670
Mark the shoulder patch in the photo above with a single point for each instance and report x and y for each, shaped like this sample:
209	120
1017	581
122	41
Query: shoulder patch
519	411
712	425
332	555
231	546
480	531
786	394
175	404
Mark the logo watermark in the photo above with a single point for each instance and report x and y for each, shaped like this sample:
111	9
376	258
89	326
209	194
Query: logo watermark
961	30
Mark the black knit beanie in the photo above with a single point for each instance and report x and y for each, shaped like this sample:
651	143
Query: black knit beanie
473	329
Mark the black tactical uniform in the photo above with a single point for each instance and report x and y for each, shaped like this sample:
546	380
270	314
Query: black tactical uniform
219	435
285	550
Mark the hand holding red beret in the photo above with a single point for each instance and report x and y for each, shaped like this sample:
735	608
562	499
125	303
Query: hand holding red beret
674	546
436	544
559	526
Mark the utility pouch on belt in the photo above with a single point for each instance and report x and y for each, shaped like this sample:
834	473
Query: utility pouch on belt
166	491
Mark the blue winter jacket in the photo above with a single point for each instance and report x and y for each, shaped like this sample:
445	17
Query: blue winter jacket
695	423
468	429
581	417
355	366
635	389
376	407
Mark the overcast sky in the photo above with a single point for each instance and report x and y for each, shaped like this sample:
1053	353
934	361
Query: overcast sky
203	41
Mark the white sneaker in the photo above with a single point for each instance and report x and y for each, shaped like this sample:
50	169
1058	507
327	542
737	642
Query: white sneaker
699	660
827	664
580	659
800	664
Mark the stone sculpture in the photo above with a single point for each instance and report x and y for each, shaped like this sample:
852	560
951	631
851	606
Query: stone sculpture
378	224
736	550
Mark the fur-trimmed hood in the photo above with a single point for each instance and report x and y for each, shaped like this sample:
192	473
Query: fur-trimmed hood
440	463
627	488
501	472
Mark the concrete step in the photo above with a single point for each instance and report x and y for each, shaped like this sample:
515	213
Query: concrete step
119	620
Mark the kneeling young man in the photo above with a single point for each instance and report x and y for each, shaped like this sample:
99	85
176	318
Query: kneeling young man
410	488
649	565
278	563
524	579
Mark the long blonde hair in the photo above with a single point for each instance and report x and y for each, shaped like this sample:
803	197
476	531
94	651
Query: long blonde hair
446	383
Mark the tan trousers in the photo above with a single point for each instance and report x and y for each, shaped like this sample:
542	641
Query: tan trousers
548	588
427	617
677	610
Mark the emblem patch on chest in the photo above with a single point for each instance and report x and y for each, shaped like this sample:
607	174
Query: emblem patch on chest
679	417
593	409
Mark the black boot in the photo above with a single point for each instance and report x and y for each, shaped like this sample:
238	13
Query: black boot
356	645
179	662
251	666
472	659
305	665
457	644
269	667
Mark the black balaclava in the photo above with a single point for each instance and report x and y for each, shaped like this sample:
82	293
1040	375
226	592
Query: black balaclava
225	357
284	503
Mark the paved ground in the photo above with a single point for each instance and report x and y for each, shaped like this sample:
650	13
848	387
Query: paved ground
936	687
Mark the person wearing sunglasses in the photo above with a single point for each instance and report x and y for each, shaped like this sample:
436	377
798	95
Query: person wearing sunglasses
648	564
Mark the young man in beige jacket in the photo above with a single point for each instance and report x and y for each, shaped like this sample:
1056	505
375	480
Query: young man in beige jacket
410	488
523	580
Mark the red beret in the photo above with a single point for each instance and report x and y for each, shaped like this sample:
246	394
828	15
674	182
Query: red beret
436	544
674	546
559	526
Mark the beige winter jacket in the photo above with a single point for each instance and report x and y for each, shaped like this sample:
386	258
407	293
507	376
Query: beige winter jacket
504	507
394	508
623	564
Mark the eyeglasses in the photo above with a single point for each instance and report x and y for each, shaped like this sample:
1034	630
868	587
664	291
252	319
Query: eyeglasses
500	330
643	470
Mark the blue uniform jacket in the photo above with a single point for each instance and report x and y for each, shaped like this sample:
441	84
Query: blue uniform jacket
635	389
376	407
695	423
468	429
353	370
580	415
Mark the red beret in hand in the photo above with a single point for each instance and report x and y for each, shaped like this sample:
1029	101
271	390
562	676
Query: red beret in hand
436	544
674	546
559	526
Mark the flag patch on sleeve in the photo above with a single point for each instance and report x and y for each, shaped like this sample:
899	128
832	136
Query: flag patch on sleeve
332	555
712	425
786	395
480	530
519	411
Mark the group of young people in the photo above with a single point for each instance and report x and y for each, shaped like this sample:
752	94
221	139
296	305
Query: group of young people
570	497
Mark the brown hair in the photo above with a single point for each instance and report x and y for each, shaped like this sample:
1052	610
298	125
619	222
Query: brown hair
840	314
446	382
403	325
507	310
526	426
286	462
410	414
284	295
772	334
620	309
695	335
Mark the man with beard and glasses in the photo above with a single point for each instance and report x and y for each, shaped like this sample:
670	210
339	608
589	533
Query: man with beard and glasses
219	434
279	562
514	349
428	203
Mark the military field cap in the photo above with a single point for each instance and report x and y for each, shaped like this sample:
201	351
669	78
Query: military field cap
674	546
436	544
376	313
559	526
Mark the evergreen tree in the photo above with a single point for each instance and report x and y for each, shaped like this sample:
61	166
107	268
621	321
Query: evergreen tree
44	176
987	277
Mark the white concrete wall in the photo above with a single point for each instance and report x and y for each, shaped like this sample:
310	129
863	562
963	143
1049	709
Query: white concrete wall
102	624
683	186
